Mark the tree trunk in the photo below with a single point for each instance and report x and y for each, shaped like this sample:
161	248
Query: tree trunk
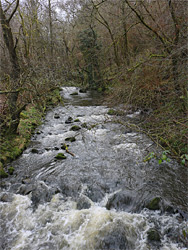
15	67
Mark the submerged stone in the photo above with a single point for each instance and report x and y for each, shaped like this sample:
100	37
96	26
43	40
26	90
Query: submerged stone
60	156
77	120
113	237
154	204
83	203
119	201
71	139
84	125
56	116
6	197
69	120
153	235
74	93
75	128
34	151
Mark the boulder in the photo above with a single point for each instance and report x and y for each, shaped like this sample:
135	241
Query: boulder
75	128
69	120
154	204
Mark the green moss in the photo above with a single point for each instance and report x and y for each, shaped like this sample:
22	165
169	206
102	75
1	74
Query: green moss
3	174
99	90
154	204
12	145
10	170
111	112
115	112
77	120
75	128
60	156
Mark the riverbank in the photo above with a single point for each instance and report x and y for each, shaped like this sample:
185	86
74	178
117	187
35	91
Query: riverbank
162	118
12	145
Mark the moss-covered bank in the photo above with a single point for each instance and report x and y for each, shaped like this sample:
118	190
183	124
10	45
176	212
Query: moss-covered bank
12	145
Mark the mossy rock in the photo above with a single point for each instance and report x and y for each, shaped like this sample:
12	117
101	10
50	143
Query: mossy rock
74	93
84	125
154	204
11	170
3	174
71	139
77	120
153	235
75	128
60	156
34	151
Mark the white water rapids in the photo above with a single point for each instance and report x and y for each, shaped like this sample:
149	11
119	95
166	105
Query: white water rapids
96	198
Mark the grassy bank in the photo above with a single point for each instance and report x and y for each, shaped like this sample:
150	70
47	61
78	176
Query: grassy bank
12	145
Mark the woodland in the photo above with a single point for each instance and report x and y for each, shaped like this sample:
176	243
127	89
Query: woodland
134	52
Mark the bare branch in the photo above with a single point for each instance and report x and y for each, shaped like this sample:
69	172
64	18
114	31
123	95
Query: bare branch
13	12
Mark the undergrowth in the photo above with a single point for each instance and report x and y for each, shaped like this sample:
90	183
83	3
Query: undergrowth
164	111
12	145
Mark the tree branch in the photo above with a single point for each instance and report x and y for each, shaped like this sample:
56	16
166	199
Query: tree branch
13	12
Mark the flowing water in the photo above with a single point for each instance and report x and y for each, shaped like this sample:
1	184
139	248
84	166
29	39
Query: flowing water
96	198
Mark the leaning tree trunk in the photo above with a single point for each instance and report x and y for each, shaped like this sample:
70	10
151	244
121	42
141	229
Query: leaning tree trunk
15	67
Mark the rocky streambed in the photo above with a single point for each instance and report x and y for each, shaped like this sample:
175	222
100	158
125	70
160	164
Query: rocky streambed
82	184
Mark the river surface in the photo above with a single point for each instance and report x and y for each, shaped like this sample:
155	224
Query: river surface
99	196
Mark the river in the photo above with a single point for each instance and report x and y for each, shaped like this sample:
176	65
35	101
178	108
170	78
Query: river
100	195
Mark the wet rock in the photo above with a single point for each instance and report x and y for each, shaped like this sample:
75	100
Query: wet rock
119	201
95	193
69	120
38	132
154	204
6	197
74	93
77	120
56	148
25	189
34	151
60	156
113	238
56	116
40	194
26	181
84	125
71	139
83	203
75	128
70	187
153	235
